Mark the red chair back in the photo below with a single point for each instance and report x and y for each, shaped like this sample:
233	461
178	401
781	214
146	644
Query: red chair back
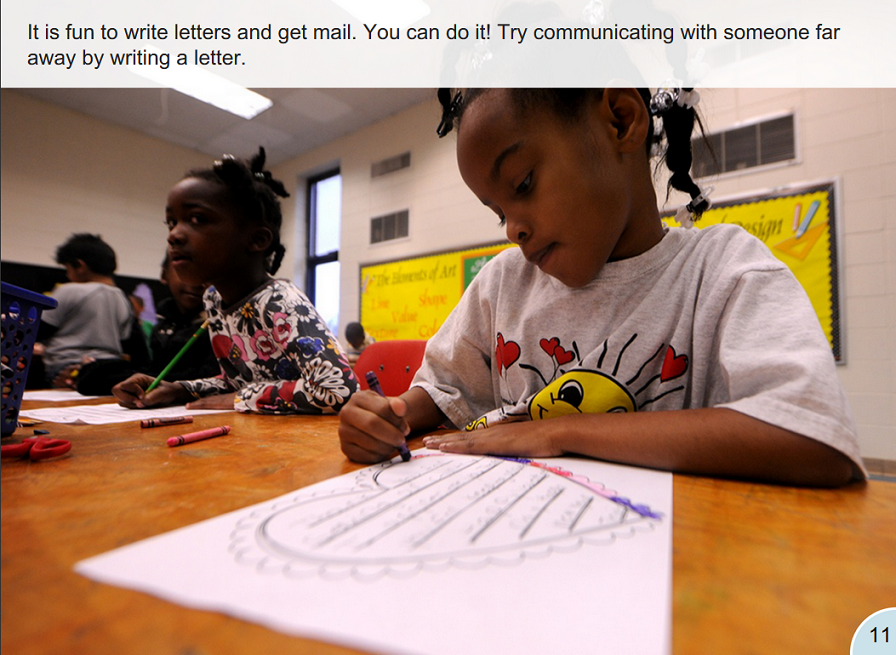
394	363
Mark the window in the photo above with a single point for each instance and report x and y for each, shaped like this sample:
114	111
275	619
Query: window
758	144
324	219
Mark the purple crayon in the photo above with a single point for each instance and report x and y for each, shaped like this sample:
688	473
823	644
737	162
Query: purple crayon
374	385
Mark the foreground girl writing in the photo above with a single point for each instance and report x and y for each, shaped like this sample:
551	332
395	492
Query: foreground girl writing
680	349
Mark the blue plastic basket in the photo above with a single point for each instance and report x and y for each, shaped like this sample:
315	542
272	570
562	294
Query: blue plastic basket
20	316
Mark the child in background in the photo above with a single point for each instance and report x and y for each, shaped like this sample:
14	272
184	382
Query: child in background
177	319
93	319
686	350
275	352
358	340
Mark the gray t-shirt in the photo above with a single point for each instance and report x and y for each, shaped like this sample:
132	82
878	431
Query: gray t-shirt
91	320
706	318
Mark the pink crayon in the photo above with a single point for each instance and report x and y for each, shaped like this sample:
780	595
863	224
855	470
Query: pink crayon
198	436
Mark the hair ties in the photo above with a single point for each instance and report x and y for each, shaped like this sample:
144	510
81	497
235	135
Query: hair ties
663	100
225	159
448	115
238	172
688	98
667	97
686	215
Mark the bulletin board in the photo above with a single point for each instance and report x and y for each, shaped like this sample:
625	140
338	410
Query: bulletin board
799	226
411	298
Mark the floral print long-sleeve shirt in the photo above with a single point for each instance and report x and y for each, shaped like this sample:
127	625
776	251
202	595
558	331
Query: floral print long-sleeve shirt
276	353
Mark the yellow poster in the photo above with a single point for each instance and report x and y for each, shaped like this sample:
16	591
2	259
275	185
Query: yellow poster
798	226
411	298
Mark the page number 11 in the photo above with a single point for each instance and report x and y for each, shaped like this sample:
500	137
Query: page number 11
885	635
873	636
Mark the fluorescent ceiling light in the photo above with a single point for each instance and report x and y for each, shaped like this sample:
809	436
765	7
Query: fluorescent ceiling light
205	86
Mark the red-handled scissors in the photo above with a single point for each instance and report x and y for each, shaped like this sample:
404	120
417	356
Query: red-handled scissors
36	448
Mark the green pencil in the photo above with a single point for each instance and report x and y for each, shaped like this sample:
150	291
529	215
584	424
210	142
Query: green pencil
167	369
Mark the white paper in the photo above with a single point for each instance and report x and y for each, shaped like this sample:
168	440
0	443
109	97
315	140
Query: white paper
55	395
485	555
110	413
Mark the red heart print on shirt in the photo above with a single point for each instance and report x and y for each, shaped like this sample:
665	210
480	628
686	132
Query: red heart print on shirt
506	353
553	348
673	366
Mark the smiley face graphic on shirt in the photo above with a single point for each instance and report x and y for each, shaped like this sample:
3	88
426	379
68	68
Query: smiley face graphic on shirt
580	391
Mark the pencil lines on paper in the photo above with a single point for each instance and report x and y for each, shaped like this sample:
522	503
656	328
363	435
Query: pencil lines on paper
432	513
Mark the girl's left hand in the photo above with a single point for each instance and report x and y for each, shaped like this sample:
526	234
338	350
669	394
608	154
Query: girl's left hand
218	401
516	439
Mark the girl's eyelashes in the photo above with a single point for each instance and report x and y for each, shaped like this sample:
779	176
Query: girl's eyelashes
192	219
520	190
502	218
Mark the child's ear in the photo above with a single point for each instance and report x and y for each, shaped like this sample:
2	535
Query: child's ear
260	239
80	271
628	117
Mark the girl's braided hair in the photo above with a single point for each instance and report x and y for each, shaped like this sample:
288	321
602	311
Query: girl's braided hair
254	193
677	125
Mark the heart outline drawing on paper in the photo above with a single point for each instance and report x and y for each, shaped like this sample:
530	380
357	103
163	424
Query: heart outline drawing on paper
428	514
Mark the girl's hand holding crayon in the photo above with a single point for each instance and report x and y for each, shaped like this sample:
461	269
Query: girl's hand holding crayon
132	392
372	427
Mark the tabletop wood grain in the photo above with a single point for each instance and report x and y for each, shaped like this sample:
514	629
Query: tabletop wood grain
756	568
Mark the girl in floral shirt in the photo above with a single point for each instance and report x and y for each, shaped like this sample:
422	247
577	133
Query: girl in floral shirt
276	354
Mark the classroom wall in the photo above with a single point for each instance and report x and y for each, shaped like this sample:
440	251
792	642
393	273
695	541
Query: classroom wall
443	214
845	134
64	172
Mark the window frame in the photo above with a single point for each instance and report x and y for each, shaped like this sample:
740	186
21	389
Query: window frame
313	260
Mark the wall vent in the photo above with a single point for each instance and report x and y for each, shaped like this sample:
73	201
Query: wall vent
390	165
761	143
389	227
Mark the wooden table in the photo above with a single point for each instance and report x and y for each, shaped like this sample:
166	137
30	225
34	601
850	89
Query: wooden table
757	568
